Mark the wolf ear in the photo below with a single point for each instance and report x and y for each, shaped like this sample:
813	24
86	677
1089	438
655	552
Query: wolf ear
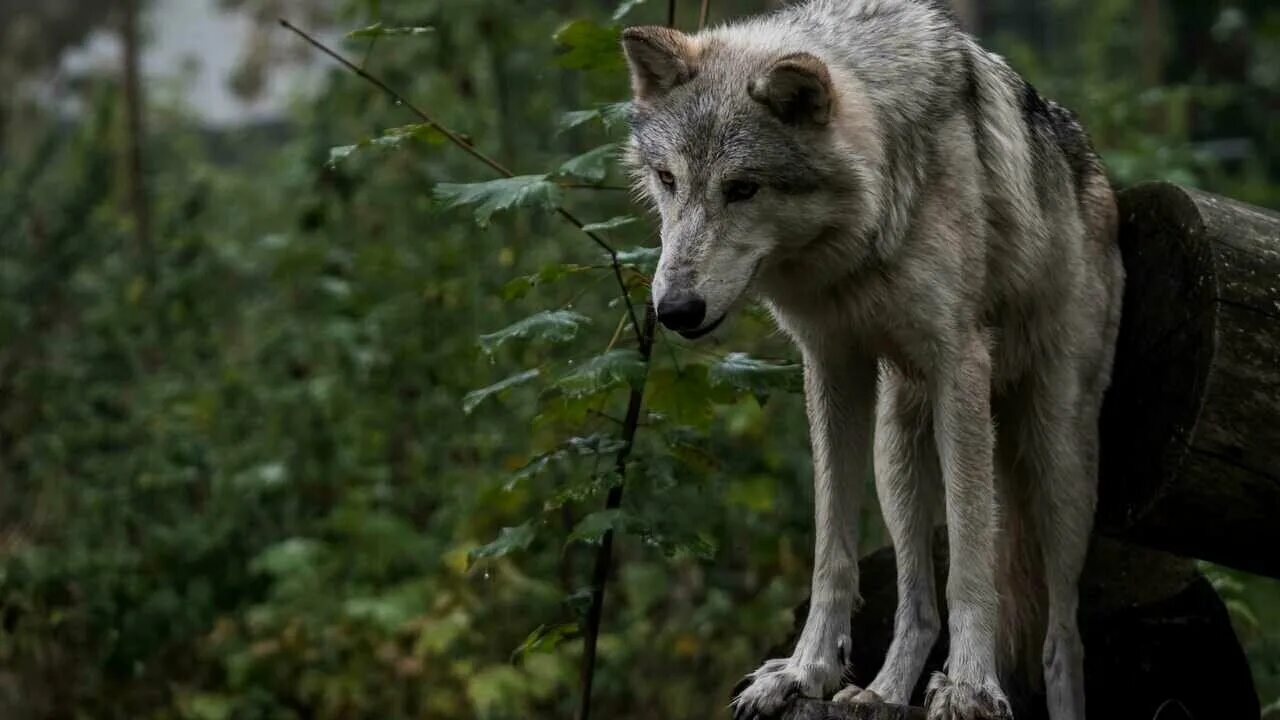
660	59
797	89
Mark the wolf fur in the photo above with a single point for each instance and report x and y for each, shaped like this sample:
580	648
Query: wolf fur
939	241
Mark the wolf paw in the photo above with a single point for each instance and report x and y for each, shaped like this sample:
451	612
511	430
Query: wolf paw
950	700
767	692
854	695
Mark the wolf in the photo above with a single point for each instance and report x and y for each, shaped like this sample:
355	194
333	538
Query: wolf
939	241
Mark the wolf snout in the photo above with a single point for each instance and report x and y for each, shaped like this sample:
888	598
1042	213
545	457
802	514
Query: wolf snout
682	311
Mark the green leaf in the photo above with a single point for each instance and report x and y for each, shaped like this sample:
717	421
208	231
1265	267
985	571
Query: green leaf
591	445
625	7
640	259
611	224
475	397
610	116
603	372
518	287
574	118
595	444
339	153
614	114
758	377
590	46
533	468
502	194
389	139
556	326
509	540
580	488
377	30
684	396
592	166
545	638
593	527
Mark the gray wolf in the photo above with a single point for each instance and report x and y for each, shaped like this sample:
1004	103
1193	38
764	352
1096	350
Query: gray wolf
939	242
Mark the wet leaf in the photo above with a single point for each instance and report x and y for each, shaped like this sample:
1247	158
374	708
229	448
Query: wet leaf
603	372
640	259
609	115
553	326
509	540
758	377
502	194
593	527
592	166
475	397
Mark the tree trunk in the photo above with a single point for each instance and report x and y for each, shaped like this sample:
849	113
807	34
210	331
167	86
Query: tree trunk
133	99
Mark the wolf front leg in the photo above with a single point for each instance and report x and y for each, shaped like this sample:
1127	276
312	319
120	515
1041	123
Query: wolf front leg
840	398
961	392
909	485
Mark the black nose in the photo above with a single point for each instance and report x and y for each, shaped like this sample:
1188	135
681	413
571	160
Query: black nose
683	311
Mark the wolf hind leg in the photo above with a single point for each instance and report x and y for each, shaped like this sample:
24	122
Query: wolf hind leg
1059	444
909	485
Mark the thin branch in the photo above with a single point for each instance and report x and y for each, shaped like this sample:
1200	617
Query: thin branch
471	150
703	13
604	556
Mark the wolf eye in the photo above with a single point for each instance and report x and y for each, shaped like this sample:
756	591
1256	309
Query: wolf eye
739	190
667	179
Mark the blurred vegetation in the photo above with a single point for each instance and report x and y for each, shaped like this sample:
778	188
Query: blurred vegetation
303	471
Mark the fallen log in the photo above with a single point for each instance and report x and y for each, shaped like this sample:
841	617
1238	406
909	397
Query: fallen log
1191	425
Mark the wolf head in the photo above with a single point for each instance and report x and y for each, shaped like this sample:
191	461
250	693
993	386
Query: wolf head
739	149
